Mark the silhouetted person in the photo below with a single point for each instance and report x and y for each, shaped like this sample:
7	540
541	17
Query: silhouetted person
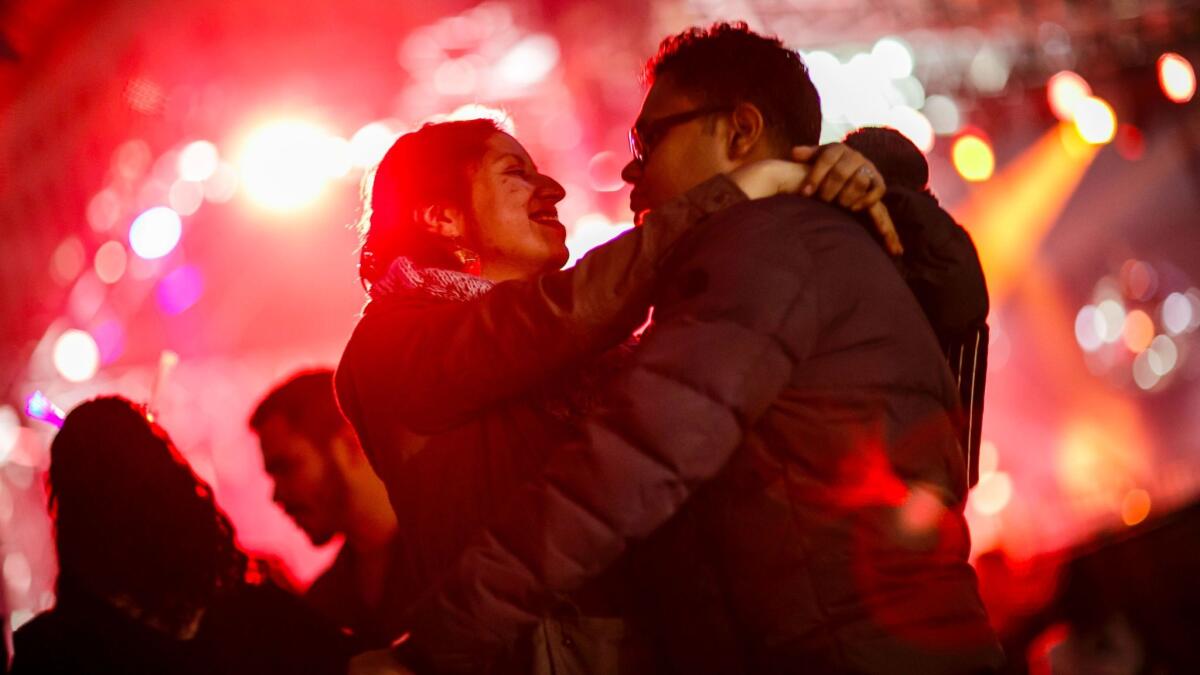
326	485
150	577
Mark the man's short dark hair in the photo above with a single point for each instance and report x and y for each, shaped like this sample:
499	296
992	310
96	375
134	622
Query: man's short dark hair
306	401
898	159
727	63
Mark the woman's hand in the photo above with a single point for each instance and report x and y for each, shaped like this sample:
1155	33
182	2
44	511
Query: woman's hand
839	175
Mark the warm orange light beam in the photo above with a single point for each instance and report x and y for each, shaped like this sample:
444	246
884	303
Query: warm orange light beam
1010	215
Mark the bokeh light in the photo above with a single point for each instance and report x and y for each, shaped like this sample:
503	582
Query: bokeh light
10	431
1176	77
992	494
1112	313
589	231
223	184
894	56
973	158
528	62
1177	314
103	210
369	144
110	261
1089	328
1144	375
155	232
1138	331
604	171
1162	356
198	161
1095	120
76	356
1135	507
185	197
110	340
1064	91
285	165
943	115
68	260
180	289
913	125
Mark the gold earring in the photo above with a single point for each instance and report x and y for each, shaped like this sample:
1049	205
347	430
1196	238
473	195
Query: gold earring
468	260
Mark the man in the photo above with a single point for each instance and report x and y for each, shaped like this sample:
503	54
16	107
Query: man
780	460
325	484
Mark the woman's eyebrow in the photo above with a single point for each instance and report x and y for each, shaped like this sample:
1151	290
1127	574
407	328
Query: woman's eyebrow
513	155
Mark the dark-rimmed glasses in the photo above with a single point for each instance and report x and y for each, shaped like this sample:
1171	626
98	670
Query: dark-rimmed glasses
642	137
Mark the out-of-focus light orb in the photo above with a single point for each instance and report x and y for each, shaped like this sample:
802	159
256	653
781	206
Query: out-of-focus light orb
369	144
131	159
1139	279
155	232
529	61
989	70
913	125
1112	313
1135	507
910	92
110	262
989	458
1143	375
1095	120
76	356
17	572
1089	328
338	157
103	210
973	158
1162	356
991	494
894	56
1177	313
604	171
1138	331
1176	77
591	230
1131	143
455	77
198	161
943	114
284	165
180	289
1064	91
185	197
10	431
68	260
223	184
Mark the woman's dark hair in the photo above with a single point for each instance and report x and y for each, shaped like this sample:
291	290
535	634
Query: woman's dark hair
430	166
898	159
728	64
132	520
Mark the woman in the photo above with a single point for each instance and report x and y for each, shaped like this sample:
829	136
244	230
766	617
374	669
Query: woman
474	355
150	577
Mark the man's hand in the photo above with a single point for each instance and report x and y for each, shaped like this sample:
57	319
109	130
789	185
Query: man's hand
849	179
377	662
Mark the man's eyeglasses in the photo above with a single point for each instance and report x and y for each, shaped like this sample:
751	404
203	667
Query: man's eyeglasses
643	137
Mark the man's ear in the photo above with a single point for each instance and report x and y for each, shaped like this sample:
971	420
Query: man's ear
444	221
346	451
748	129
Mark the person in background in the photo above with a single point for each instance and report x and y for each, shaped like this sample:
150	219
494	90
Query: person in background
151	579
325	484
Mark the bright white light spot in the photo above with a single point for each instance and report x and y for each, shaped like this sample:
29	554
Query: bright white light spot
1143	374
1064	91
1095	120
913	125
1162	356
529	61
110	262
909	91
1113	315
285	164
198	161
20	617
337	156
10	431
369	144
185	197
17	572
1089	328
76	356
591	230
1176	77
989	458
155	232
1177	313
991	494
895	56
943	115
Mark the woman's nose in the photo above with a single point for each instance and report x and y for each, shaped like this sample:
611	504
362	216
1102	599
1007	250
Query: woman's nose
551	189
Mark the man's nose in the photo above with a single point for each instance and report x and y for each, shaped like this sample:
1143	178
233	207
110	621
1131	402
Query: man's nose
632	172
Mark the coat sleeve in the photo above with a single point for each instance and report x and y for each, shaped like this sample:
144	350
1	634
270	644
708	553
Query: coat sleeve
744	314
435	372
940	262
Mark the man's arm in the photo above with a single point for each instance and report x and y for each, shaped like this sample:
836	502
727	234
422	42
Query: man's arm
705	373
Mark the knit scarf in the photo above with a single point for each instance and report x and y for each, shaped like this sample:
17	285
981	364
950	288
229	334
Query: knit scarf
571	397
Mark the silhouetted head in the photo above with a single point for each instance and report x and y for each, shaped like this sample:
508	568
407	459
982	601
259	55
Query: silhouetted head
899	160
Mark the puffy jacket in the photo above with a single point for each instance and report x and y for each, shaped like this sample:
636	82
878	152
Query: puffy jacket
447	400
788	418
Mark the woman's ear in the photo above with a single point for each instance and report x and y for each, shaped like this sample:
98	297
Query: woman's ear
748	128
444	221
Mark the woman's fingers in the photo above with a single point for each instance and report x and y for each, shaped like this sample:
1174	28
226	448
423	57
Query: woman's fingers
886	228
